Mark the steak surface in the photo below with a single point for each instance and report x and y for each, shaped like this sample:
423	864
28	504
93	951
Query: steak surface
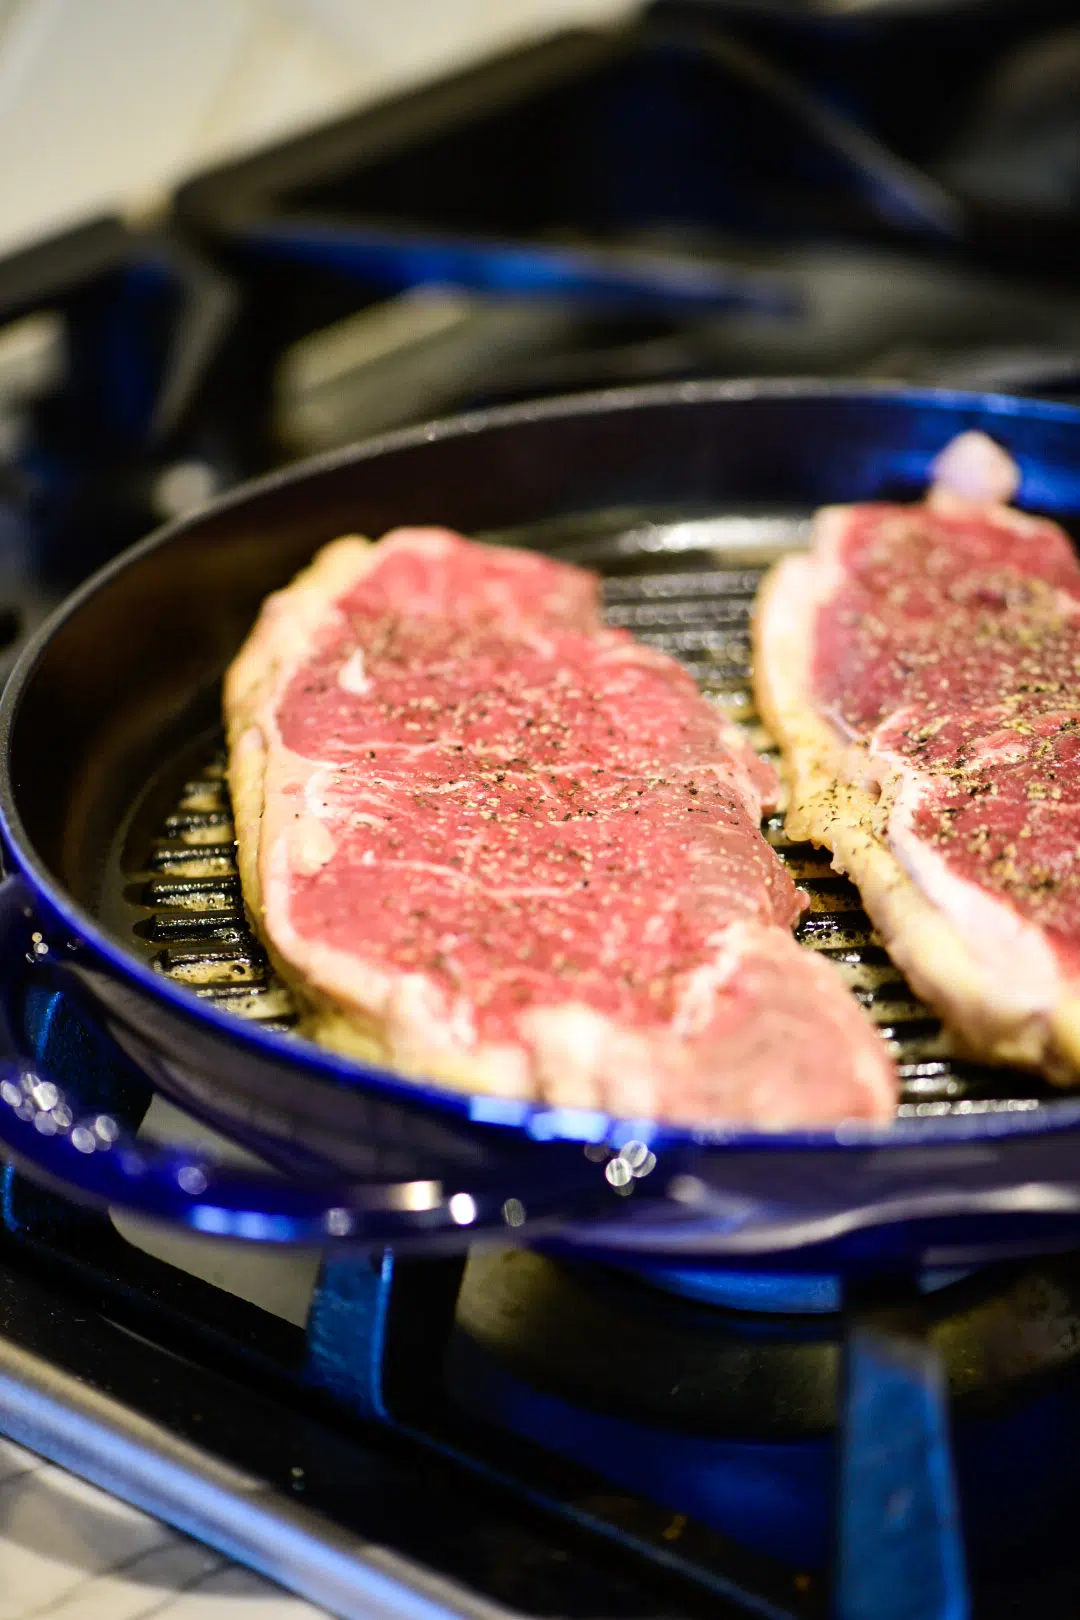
941	647
502	847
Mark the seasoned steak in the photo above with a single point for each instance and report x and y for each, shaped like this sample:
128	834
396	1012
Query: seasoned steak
501	847
922	669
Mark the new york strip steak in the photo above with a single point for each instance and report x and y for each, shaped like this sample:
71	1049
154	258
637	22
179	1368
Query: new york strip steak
921	669
502	848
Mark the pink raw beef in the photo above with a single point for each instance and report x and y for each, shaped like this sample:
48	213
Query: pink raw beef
501	847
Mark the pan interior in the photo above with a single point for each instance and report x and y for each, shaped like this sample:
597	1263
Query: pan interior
683	581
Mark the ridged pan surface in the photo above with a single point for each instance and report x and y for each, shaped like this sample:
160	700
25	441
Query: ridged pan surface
685	586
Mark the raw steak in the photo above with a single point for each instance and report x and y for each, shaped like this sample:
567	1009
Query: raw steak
498	846
921	668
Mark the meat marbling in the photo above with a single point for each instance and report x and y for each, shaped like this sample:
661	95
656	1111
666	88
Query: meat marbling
921	668
501	847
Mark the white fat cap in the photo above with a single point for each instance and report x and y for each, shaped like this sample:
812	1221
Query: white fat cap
974	468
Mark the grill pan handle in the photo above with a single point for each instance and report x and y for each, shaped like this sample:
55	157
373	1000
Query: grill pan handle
90	1157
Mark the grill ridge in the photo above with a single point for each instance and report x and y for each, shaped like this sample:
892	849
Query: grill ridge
194	912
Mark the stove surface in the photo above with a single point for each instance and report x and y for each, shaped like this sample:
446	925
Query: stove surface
478	1456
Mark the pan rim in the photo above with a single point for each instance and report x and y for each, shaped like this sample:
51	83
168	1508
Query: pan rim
540	1121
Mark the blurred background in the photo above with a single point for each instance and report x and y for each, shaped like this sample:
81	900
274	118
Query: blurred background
233	232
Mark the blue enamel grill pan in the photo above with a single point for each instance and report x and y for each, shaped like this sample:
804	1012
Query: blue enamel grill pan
681	495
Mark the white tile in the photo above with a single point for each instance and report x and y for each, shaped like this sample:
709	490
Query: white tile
392	47
235	1594
149	1585
290	76
427	33
105	105
101	102
16	1460
69	1551
56	1532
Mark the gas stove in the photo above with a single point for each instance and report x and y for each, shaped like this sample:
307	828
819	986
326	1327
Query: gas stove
507	1432
717	190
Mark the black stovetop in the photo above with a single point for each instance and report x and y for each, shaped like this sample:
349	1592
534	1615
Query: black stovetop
474	1453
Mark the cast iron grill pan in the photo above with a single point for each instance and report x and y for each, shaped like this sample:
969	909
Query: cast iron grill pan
685	586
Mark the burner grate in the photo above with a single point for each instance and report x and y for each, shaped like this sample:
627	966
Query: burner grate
189	908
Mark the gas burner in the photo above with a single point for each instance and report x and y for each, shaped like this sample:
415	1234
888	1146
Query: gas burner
746	1355
727	1413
